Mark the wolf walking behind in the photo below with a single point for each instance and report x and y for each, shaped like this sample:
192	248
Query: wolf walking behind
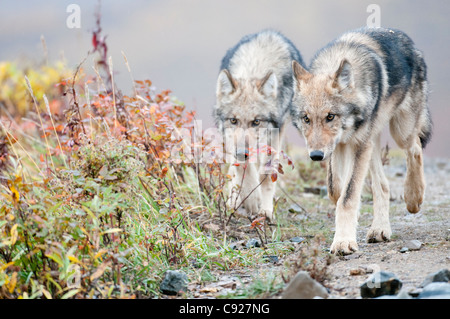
253	96
355	86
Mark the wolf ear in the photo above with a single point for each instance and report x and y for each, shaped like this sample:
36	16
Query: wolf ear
268	86
343	78
225	83
300	73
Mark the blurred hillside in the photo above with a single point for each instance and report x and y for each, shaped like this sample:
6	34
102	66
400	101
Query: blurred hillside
179	44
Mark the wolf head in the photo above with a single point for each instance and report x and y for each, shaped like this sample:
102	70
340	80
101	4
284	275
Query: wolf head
324	107
243	108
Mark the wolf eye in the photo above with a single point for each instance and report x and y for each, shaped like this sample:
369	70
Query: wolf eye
256	122
306	119
330	117
233	121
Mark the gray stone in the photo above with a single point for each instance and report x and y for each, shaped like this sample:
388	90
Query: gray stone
253	242
237	245
413	244
323	192
295	209
302	286
442	275
403	294
297	239
174	282
379	284
436	290
404	250
271	258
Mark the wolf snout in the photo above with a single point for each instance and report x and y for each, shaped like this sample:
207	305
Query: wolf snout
316	155
242	154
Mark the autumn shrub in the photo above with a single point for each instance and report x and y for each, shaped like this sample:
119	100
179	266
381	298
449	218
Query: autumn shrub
100	191
14	96
101	208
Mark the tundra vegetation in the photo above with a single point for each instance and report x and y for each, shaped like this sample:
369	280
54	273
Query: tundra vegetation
93	204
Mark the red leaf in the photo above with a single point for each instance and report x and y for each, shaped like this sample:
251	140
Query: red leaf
274	177
280	168
94	40
290	162
164	172
257	222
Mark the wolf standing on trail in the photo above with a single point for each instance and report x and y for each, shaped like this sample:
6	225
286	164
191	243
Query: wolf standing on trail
355	86
254	92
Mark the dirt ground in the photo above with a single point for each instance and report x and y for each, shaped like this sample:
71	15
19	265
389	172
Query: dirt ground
431	226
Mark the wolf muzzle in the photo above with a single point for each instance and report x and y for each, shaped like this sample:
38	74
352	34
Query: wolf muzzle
316	155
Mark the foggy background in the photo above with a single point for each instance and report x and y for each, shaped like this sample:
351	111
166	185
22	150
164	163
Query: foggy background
178	44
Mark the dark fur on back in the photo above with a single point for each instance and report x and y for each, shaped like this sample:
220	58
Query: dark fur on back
404	64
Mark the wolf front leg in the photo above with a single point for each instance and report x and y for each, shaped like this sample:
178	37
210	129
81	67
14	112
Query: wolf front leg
357	161
245	191
381	227
267	194
333	177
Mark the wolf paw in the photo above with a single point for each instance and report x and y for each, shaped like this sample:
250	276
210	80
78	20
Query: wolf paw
413	198
251	206
268	213
343	247
413	207
375	235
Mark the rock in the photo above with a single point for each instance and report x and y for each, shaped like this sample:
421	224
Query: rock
404	250
442	275
237	245
357	271
174	282
297	239
361	270
403	294
230	284
323	192
312	190
436	290
295	209
413	244
253	242
211	227
302	286
300	217
271	258
379	284
415	292
355	255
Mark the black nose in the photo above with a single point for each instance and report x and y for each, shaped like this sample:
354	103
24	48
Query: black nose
316	155
242	154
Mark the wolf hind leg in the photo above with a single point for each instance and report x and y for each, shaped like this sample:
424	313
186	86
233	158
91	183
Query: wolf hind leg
408	127
415	179
381	228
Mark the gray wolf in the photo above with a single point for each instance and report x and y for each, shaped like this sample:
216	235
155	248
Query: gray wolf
254	92
355	86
